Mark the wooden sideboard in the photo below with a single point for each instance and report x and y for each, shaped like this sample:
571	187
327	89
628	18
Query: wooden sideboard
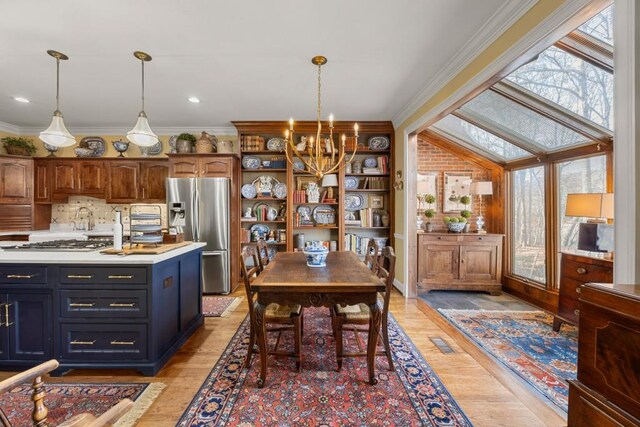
607	390
576	270
467	261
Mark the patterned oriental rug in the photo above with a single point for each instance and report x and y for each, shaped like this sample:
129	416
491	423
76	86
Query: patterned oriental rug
525	342
66	400
214	306
319	395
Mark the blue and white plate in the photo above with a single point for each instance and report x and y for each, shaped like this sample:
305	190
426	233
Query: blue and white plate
324	214
262	229
304	211
280	190
379	143
351	182
248	191
370	162
353	202
276	144
251	162
298	165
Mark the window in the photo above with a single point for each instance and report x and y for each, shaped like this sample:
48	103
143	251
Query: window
587	175
528	238
600	26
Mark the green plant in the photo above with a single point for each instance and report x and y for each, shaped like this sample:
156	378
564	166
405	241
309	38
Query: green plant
14	141
430	199
454	219
429	213
465	214
187	137
465	200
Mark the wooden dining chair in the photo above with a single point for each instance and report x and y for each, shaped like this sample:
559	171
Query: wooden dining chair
284	316
371	255
349	317
263	254
40	411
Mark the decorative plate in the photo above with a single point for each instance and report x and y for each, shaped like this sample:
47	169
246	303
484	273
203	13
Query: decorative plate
370	162
94	143
251	162
265	184
248	191
379	143
280	190
276	144
147	238
305	212
144	216
154	150
298	165
262	229
172	143
351	182
324	214
353	202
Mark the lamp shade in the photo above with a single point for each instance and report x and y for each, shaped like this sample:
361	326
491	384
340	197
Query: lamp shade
590	205
57	134
330	180
481	188
142	134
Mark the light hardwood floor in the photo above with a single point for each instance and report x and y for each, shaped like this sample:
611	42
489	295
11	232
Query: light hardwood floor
487	392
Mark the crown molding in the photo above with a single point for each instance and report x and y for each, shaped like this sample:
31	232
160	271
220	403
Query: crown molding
495	26
31	130
9	128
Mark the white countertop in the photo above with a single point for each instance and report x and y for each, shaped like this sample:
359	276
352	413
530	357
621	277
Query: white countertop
92	257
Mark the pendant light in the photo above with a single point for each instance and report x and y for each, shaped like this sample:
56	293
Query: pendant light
142	134
57	134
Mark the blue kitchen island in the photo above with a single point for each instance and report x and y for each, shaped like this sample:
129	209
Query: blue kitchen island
94	311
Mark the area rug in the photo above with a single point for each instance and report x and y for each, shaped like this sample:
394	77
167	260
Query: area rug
525	342
319	395
65	400
214	306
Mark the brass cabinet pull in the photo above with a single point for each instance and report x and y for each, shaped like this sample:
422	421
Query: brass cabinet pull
462	260
115	276
576	312
6	315
116	342
581	270
82	304
120	304
80	276
20	276
578	290
75	342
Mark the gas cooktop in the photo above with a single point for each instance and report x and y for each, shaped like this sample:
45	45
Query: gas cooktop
62	245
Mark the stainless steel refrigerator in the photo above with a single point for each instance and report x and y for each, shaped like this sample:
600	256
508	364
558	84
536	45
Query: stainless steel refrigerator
199	207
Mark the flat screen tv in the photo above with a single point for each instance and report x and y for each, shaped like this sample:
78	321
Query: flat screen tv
595	237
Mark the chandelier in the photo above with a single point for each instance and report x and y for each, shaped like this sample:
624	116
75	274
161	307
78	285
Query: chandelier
319	158
141	134
57	134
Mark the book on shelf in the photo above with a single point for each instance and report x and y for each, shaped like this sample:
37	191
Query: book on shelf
252	143
299	196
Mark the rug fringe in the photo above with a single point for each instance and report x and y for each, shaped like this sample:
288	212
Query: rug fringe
227	312
141	404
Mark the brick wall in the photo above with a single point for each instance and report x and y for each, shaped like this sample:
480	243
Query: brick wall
434	159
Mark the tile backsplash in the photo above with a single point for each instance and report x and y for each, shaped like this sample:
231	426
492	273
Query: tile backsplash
103	213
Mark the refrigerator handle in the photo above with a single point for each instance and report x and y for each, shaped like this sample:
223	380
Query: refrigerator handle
195	214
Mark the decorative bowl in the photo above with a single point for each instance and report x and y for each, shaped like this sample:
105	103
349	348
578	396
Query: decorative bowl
316	255
120	146
83	152
456	227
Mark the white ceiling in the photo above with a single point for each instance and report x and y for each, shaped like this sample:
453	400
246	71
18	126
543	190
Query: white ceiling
246	60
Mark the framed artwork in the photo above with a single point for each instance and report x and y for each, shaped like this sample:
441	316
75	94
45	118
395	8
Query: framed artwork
456	185
427	184
303	181
376	201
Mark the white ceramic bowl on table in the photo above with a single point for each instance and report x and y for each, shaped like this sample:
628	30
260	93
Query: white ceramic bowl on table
316	255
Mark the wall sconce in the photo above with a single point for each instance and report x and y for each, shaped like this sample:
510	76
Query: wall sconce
398	185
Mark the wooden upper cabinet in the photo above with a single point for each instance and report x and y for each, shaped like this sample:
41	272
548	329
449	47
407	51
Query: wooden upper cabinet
63	177
184	167
153	181
206	166
215	167
42	182
91	177
16	180
123	182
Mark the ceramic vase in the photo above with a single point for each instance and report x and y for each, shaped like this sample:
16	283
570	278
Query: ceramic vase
183	146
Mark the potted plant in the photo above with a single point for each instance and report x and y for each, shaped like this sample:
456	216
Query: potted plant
466	213
185	143
430	199
455	224
18	146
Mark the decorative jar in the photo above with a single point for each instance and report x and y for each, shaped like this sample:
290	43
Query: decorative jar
316	255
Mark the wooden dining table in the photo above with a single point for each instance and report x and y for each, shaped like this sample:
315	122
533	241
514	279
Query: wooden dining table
345	280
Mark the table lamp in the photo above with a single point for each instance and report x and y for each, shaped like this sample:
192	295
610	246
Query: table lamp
330	181
481	188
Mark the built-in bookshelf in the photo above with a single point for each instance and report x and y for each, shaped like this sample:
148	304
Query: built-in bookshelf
362	205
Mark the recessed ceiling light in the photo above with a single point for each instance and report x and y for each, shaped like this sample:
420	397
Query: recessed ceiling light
194	99
21	99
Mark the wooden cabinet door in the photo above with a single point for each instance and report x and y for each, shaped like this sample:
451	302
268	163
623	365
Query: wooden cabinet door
153	177
123	182
184	167
63	177
478	262
212	167
91	177
42	182
16	180
30	332
4	332
438	262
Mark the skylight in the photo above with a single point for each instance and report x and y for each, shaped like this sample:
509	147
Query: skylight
600	26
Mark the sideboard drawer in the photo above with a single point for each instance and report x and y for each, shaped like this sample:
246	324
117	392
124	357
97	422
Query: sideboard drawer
103	303
570	288
482	238
435	238
569	310
110	275
584	272
18	275
103	342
